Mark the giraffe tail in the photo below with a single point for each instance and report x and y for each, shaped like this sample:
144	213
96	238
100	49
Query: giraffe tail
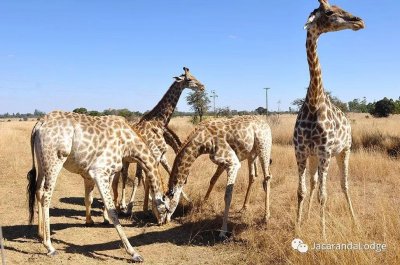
31	176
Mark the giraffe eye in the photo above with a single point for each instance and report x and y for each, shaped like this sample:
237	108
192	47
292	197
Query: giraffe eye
329	13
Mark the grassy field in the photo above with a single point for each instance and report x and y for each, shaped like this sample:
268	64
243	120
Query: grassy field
192	237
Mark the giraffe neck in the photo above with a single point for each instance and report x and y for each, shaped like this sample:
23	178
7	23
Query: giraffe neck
315	93
166	106
183	161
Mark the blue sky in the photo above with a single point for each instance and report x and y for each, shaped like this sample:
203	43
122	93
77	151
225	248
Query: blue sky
123	54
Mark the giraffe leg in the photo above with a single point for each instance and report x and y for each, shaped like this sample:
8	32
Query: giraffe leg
39	195
115	183
124	174
102	182
146	195
322	195
136	180
50	177
213	180
89	186
302	188
343	163
233	168
265	160
313	167
252	174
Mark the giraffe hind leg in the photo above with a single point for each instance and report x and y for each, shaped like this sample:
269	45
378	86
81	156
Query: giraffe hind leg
252	174
102	182
50	177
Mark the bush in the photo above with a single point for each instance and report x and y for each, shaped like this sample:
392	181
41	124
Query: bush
383	108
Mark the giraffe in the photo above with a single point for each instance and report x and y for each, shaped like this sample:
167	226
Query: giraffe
227	141
322	131
95	148
153	128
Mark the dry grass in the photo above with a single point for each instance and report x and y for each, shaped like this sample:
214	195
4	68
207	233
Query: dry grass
192	238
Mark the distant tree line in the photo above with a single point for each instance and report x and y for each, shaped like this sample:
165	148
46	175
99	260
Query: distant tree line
126	113
380	108
25	116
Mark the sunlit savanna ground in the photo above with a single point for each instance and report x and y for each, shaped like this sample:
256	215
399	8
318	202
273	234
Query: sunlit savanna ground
192	236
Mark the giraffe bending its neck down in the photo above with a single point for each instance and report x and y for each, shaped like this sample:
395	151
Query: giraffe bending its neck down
153	128
228	142
322	130
95	148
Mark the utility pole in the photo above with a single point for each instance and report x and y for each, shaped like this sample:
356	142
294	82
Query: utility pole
266	99
213	96
279	106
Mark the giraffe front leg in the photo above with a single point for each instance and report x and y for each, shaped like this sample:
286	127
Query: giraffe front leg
114	184
213	180
89	186
343	163
313	166
102	182
136	180
302	189
146	194
322	195
232	173
124	176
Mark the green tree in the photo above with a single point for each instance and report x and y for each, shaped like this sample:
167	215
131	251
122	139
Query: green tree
38	113
261	110
199	102
335	100
383	108
80	110
94	113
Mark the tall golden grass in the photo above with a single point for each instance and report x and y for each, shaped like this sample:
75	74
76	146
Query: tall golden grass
374	182
374	187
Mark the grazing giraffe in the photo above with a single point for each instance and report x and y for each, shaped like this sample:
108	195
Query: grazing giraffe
322	130
227	141
95	148
153	128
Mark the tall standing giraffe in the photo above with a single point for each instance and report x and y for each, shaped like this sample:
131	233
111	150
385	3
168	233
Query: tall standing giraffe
227	141
322	131
95	148
153	128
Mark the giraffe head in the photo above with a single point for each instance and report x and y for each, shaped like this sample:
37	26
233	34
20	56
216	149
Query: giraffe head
187	80
160	207
329	18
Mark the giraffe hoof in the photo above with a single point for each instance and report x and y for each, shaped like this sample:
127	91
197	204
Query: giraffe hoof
243	210
136	258
106	222
52	253
224	236
89	224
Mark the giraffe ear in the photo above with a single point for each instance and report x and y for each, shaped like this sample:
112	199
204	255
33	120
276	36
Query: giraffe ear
309	21
178	78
